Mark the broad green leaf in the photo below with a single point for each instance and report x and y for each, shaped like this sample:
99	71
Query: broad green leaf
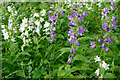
61	73
109	75
36	73
20	73
80	57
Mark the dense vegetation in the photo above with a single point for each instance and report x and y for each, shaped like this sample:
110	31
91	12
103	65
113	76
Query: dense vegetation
60	39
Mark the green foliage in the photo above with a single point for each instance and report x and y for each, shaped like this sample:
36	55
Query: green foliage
40	59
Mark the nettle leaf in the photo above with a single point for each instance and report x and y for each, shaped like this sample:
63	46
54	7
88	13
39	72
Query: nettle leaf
20	73
109	75
36	73
80	57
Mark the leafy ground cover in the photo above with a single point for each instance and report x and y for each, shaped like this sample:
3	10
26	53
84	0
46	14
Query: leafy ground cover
60	39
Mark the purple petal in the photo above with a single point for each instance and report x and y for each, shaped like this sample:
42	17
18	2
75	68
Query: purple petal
77	43
69	61
106	48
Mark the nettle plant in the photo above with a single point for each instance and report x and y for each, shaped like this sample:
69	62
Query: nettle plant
60	39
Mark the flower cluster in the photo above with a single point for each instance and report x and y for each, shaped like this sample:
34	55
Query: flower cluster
92	45
107	40
112	6
46	26
81	30
71	32
105	11
5	33
102	64
53	20
107	29
7	30
72	37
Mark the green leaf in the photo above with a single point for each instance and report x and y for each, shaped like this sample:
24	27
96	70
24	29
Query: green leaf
24	53
80	66
48	50
42	38
109	75
20	37
61	73
35	39
20	73
67	67
79	76
14	47
63	51
45	61
47	76
29	68
85	38
80	57
60	36
36	73
68	72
